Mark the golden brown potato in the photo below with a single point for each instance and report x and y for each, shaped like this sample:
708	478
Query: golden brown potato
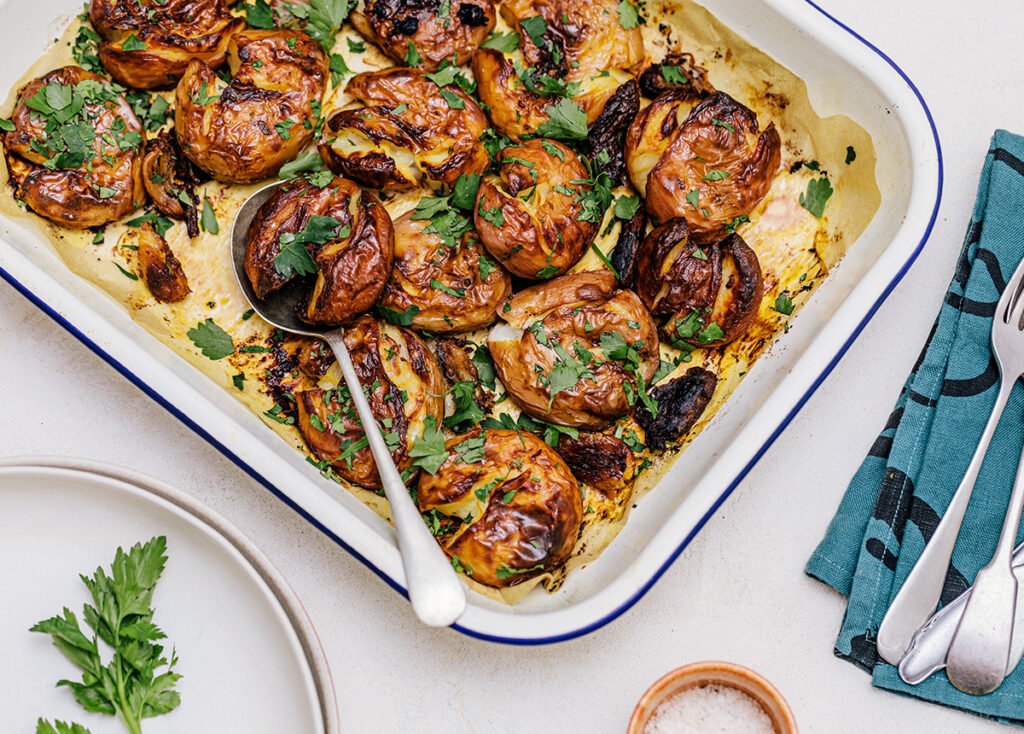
583	45
402	132
245	131
159	268
604	462
446	284
338	232
73	156
403	386
171	179
575	350
534	215
438	30
707	163
707	295
148	43
505	506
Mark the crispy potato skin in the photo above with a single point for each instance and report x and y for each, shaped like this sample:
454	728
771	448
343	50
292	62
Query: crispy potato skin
166	173
669	157
574	309
71	197
422	260
681	402
696	86
233	137
174	32
589	40
604	462
722	286
529	520
159	268
540	230
394	24
388	359
351	269
427	142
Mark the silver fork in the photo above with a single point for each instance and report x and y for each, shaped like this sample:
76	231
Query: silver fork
919	596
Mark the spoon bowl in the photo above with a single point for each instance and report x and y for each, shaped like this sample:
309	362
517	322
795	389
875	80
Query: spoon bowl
437	595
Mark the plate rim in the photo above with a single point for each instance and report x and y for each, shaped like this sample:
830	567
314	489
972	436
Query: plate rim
276	586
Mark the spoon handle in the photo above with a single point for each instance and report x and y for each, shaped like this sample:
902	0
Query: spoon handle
437	595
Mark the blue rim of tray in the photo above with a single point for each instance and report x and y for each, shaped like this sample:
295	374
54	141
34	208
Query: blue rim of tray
636	596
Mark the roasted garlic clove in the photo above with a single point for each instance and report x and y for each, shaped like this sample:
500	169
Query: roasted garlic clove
681	401
453	287
245	131
148	44
403	386
171	179
159	268
705	296
507	508
405	131
576	350
438	31
338	232
74	154
710	167
535	215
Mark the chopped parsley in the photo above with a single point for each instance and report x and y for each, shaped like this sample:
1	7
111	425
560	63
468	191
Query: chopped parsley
783	304
213	341
503	42
819	190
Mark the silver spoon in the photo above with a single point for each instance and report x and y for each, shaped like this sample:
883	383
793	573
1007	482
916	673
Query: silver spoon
437	595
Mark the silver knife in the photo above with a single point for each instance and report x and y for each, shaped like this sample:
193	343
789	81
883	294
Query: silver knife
927	652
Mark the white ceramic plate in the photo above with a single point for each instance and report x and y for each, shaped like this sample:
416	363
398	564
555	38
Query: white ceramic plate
247	652
844	74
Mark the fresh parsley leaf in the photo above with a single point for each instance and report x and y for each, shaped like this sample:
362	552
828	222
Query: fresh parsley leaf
726	125
535	27
566	121
454	101
338	68
126	273
412	56
818	192
503	42
783	304
283	128
851	154
308	161
160	224
86	50
324	19
628	16
444	76
428	450
466	409
356	47
293	257
238	381
471	451
213	341
106	192
673	75
715	175
209	219
505	572
430	206
484	367
6	125
548	271
132	43
736	222
438	285
139	680
603	258
259	15
626	207
466	187
693	198
711	332
398	318
320	178
486	268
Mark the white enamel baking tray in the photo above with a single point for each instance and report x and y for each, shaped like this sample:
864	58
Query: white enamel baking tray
845	75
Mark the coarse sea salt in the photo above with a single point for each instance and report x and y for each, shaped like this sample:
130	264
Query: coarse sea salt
710	709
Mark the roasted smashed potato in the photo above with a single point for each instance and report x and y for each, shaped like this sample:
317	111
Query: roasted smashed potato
159	268
577	49
171	179
536	214
438	31
506	506
403	386
576	351
246	130
73	155
680	403
452	287
706	295
601	461
707	163
336	231
405	131
148	44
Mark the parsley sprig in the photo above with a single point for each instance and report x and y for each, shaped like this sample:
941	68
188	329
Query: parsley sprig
138	682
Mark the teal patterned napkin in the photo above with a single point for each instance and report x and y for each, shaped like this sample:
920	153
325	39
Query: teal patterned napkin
900	491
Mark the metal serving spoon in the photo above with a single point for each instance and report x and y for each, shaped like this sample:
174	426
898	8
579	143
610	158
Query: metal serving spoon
437	595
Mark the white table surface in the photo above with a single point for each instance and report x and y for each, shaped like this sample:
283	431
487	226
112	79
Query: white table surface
737	593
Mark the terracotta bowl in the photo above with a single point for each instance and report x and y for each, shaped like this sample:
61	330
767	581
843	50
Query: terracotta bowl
720	673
